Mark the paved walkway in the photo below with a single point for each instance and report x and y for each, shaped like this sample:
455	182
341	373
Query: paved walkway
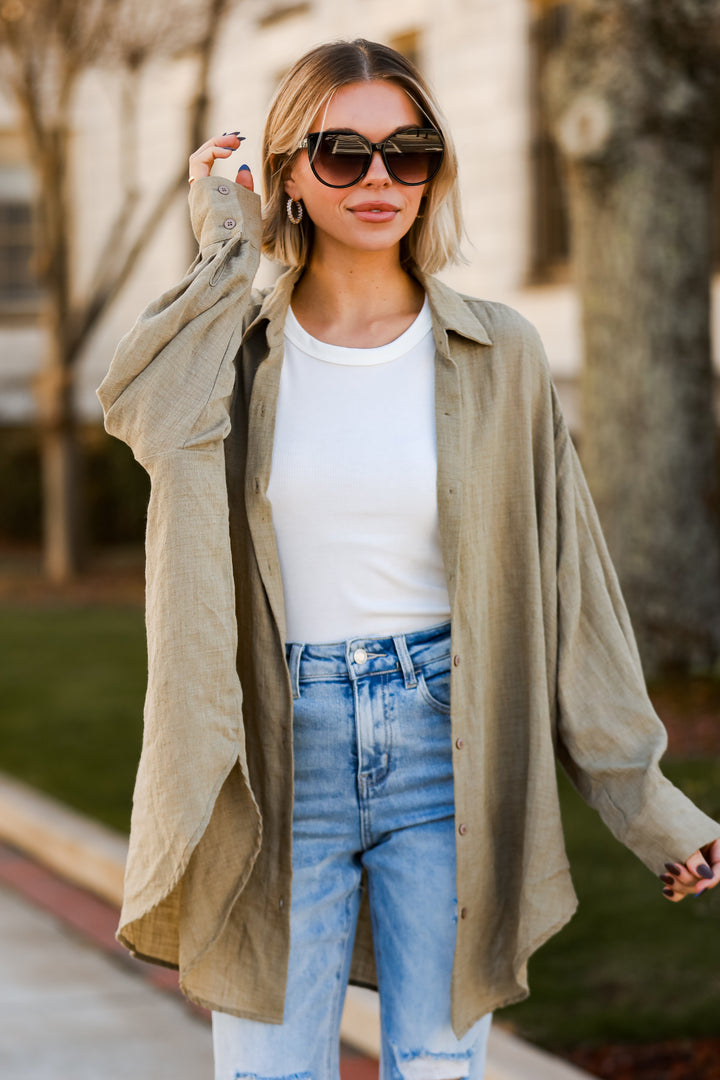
74	1005
71	1012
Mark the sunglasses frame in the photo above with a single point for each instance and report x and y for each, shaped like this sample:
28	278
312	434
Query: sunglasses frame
372	148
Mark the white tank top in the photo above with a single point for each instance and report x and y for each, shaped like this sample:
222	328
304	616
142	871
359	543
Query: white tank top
353	487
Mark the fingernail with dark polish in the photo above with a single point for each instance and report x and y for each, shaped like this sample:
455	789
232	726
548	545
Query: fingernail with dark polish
668	892
667	878
673	868
243	168
705	871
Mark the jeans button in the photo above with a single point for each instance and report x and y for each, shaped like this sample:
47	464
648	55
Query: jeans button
360	656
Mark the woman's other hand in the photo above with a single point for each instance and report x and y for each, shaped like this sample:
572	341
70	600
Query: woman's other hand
694	877
220	146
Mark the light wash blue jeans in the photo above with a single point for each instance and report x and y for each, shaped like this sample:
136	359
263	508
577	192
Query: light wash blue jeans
373	789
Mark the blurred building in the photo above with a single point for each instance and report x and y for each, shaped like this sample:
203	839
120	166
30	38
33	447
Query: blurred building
483	58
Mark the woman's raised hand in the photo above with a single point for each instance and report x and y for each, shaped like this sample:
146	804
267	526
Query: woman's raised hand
699	873
221	146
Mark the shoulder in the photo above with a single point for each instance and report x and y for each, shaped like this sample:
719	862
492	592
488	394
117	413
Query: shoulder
486	322
506	326
495	341
515	342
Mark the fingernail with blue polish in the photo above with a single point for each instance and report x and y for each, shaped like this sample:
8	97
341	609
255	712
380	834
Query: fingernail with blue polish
243	168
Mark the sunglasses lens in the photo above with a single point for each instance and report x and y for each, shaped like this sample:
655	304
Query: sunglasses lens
414	157
340	158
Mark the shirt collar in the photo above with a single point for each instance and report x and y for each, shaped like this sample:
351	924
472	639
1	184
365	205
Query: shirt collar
274	307
451	310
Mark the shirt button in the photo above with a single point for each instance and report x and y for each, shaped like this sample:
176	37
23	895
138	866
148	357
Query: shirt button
456	660
360	656
224	189
459	743
463	913
462	829
229	223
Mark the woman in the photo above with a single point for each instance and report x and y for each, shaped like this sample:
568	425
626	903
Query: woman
378	604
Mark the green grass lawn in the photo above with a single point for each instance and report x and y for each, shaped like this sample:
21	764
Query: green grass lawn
72	682
629	966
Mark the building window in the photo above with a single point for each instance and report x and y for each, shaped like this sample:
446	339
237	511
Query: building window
550	227
17	252
408	44
20	292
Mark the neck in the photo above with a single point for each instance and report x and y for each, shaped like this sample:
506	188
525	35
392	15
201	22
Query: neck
337	286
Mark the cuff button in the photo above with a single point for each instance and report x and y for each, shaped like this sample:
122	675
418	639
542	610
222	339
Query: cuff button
224	189
229	223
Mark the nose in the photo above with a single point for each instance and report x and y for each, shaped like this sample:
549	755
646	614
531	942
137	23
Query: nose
377	173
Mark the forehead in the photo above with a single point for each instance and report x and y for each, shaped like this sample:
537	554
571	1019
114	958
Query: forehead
374	108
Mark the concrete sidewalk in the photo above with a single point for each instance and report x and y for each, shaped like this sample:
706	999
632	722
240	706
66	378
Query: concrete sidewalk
71	1012
76	1005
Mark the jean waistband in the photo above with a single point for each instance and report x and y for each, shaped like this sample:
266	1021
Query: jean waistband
361	657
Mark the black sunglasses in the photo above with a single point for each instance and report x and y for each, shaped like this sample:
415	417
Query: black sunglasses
341	158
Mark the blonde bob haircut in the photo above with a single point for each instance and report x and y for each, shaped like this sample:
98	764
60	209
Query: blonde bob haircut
434	237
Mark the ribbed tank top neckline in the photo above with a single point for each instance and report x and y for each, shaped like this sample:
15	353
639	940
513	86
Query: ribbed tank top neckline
341	354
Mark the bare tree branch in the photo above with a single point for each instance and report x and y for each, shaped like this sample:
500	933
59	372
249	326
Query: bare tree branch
47	46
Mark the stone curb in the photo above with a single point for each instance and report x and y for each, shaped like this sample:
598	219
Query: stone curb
93	856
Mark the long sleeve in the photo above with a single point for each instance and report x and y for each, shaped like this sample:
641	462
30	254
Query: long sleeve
610	739
167	394
171	378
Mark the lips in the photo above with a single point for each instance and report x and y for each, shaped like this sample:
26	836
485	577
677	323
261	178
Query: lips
374	206
374	211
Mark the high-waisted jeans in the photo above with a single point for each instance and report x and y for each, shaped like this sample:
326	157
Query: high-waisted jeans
373	789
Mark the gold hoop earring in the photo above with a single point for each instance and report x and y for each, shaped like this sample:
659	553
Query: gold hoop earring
291	212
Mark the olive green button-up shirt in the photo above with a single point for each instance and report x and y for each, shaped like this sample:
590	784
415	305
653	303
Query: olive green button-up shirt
545	660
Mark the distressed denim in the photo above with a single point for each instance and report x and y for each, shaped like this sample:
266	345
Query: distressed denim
373	789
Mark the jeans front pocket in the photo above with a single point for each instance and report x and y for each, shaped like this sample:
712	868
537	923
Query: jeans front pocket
434	684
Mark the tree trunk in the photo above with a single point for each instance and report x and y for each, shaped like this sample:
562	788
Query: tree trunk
61	460
63	532
634	125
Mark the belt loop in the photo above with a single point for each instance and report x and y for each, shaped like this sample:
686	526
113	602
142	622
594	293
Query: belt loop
405	661
294	668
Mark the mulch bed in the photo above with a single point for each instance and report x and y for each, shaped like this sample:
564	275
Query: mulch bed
687	1059
690	710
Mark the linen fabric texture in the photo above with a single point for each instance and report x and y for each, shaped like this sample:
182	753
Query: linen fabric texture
545	662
